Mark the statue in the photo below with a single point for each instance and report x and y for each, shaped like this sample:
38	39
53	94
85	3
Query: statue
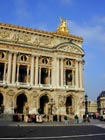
62	101
63	26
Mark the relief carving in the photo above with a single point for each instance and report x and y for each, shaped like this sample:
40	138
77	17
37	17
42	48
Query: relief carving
70	48
35	41
61	100
45	40
14	37
4	34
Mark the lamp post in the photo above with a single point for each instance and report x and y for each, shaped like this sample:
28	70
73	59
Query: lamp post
86	103
86	108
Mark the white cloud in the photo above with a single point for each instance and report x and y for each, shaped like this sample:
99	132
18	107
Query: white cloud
90	33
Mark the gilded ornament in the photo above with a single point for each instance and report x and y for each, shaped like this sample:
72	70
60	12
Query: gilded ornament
63	26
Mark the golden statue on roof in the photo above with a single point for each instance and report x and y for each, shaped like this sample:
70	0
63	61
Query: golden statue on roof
63	26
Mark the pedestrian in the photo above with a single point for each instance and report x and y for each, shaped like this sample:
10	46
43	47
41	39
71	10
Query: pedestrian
76	118
37	118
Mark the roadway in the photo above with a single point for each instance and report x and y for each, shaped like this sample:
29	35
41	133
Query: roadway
53	131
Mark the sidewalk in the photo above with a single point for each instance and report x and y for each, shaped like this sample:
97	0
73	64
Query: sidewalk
71	123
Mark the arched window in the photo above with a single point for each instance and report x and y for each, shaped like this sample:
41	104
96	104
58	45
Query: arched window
68	62
44	60
23	58
2	54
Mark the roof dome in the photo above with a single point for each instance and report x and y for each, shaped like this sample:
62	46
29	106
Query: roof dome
102	94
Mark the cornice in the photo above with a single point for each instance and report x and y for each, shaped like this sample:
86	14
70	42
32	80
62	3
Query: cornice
41	32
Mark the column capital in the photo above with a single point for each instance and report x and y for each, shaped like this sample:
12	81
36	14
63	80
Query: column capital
35	55
60	57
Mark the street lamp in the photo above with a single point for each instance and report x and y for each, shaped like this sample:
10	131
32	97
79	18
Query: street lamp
86	109
86	103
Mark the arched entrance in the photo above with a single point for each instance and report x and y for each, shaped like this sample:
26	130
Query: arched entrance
21	100
1	99
1	104
44	104
69	105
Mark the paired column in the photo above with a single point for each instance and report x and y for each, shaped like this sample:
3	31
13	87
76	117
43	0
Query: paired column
9	67
57	69
28	74
4	76
73	78
32	70
81	78
14	68
49	76
54	71
77	75
18	65
62	74
36	71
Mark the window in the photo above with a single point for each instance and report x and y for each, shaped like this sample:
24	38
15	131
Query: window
1	71
68	75
44	76
23	74
2	55
44	61
68	62
23	58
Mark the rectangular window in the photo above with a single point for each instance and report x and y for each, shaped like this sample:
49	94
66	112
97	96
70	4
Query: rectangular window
1	71
68	75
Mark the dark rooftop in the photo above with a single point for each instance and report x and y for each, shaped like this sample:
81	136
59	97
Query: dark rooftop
102	94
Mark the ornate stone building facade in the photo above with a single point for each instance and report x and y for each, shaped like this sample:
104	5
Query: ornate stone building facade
101	103
40	69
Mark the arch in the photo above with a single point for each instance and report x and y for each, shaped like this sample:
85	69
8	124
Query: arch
1	99
69	104
1	103
21	100
44	100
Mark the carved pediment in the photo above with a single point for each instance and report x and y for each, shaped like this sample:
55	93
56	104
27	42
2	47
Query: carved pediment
67	47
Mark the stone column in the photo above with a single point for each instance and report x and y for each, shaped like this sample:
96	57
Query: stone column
57	69
80	72
32	70
49	77
9	67
54	71
36	71
14	68
64	77
62	74
39	75
18	73
77	74
4	76
73	78
28	68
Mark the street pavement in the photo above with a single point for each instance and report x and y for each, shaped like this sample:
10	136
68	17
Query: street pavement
95	130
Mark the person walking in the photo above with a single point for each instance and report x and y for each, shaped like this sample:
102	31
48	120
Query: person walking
76	119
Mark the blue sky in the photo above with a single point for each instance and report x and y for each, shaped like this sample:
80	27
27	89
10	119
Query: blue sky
86	18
